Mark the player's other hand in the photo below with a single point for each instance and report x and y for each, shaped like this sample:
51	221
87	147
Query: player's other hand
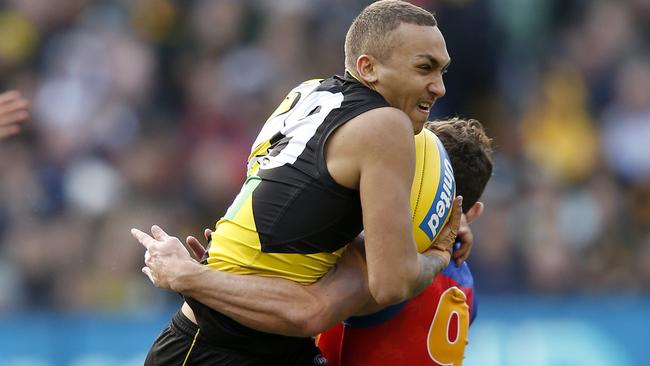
193	243
465	237
166	259
13	112
443	244
466	241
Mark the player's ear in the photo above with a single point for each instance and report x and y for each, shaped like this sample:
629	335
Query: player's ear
367	68
474	212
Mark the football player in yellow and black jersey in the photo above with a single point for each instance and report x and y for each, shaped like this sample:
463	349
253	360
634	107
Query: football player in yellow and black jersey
335	158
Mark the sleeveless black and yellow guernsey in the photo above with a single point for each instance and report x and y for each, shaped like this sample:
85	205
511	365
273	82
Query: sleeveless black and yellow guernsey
291	219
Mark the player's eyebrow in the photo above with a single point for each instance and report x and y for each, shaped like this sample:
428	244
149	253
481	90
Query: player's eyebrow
434	62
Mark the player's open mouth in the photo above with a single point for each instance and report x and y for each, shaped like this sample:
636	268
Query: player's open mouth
424	107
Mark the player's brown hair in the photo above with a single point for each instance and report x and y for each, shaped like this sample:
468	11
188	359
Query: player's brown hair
370	31
470	152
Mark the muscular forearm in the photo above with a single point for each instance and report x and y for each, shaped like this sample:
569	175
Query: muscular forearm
424	271
430	266
268	304
272	304
437	257
263	303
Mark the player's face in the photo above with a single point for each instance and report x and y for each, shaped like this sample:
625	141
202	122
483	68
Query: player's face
411	77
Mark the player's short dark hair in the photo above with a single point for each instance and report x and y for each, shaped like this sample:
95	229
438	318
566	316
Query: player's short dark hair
470	152
370	31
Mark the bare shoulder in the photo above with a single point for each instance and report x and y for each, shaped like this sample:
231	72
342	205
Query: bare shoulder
380	125
378	128
369	136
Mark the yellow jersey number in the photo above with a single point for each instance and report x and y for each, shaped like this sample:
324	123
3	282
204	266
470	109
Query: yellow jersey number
442	349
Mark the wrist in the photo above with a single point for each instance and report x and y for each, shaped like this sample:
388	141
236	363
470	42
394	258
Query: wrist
439	259
187	270
432	262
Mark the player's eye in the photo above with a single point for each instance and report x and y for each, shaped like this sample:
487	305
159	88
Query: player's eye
425	67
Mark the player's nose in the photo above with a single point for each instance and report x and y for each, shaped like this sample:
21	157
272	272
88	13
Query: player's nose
437	87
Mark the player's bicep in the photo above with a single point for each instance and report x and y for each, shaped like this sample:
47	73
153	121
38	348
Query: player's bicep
386	174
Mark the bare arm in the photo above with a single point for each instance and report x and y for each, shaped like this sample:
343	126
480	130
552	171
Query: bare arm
268	304
343	292
261	302
437	256
381	142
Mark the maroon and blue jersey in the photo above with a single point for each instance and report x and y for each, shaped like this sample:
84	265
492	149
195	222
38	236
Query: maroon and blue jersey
429	329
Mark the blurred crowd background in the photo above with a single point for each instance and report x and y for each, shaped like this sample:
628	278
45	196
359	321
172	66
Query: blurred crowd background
144	111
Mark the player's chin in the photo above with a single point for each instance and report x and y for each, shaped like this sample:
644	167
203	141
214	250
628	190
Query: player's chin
418	123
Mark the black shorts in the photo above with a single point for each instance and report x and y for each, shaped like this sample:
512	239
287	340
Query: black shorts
181	344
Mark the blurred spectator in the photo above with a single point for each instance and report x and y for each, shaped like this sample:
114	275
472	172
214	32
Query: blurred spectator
13	111
559	117
626	122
